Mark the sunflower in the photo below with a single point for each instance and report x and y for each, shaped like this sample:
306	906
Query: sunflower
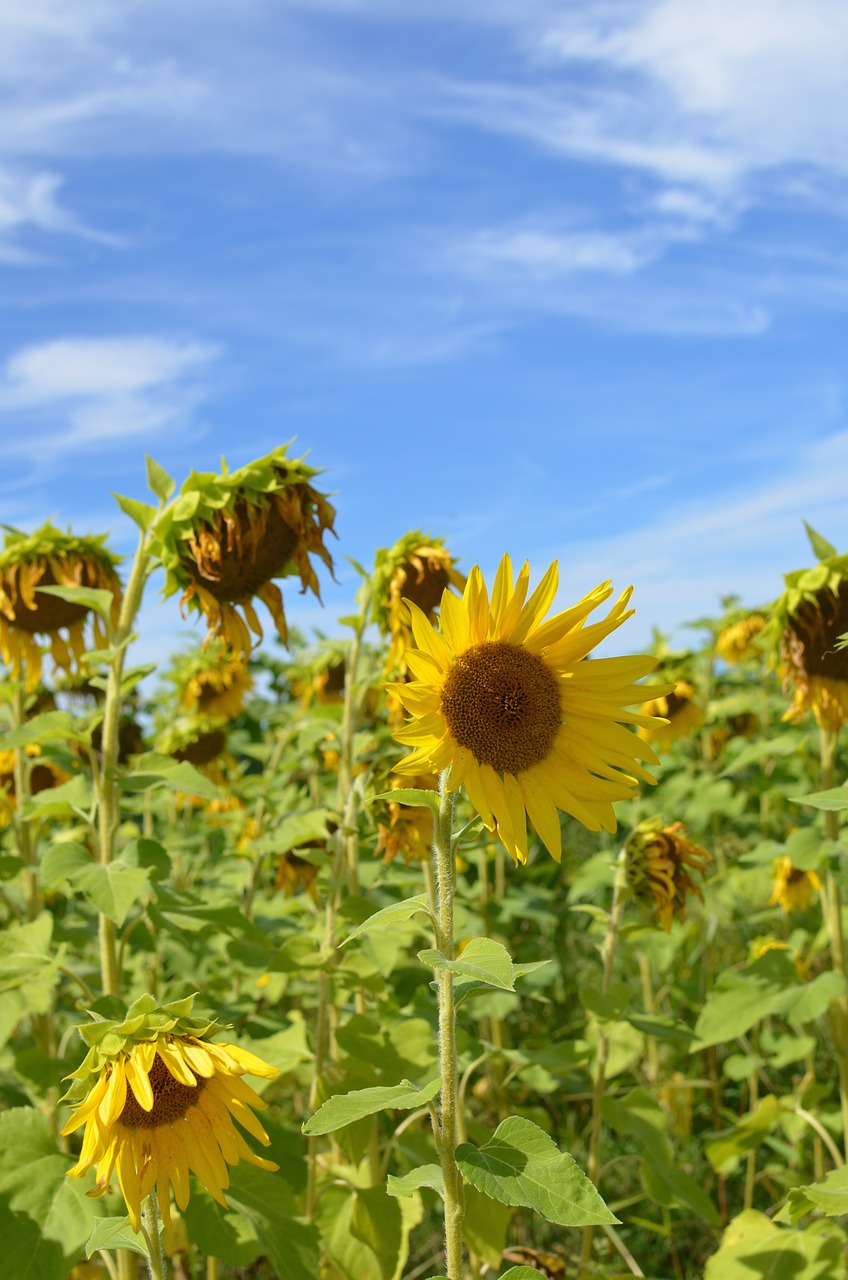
319	676
793	889
197	739
43	774
508	704
658	865
50	558
158	1100
673	715
295	874
737	639
808	622
410	828
416	568
213	682
226	537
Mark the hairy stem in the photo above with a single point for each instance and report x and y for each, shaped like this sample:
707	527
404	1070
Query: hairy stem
832	910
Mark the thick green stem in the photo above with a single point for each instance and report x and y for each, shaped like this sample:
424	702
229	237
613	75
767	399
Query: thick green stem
23	834
127	1265
454	1199
151	1227
608	954
832	910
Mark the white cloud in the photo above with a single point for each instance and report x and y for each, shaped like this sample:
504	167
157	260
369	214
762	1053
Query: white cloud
547	254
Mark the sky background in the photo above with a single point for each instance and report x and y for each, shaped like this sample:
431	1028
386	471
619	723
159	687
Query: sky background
567	280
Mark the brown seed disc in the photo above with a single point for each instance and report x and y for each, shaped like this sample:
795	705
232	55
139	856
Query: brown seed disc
50	613
813	632
426	592
171	1100
503	703
203	749
241	571
335	678
675	703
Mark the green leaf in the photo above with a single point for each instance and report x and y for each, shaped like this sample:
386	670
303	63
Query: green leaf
178	775
520	1165
51	726
411	796
726	1148
158	480
485	1226
822	549
805	848
267	1204
345	1108
376	1221
831	800
782	744
96	598
830	1197
140	512
113	889
115	1233
739	1000
388	916
426	1175
754	1248
70	798
482	960
521	1273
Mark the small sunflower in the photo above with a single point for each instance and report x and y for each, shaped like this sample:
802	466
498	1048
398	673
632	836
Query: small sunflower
50	558
658	865
674	715
197	739
410	827
416	568
158	1101
808	621
736	640
211	681
793	889
295	874
511	707
43	774
319	675
226	537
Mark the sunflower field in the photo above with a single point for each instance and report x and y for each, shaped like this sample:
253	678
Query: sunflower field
446	948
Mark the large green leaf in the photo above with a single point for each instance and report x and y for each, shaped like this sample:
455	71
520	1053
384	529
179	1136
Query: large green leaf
151	769
376	1221
345	1108
96	598
29	970
482	960
485	1226
753	1248
520	1165
426	1175
112	889
347	1214
115	1233
51	726
830	1197
388	916
266	1202
739	1000
831	800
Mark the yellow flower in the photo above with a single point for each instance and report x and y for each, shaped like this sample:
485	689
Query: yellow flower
295	874
760	946
44	774
681	711
218	689
658	862
793	889
158	1102
737	640
416	568
410	828
49	558
509	705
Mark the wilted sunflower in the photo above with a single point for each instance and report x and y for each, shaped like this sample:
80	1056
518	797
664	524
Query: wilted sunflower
212	681
226	537
658	863
679	707
43	774
158	1100
511	707
416	568
736	640
808	620
409	831
50	558
197	739
295	874
793	889
319	675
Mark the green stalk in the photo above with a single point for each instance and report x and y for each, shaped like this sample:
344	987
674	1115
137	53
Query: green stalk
151	1227
23	835
608	954
832	910
454	1199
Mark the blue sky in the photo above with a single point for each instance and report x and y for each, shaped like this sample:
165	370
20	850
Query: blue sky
563	280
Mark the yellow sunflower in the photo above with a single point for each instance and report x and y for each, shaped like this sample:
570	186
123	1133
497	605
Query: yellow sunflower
417	568
50	558
793	889
658	865
43	774
295	874
510	706
672	715
214	683
410	827
158	1102
737	639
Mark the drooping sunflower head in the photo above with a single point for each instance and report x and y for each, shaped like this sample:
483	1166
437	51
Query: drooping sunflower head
318	675
409	828
676	714
737	639
158	1100
659	865
211	681
50	558
511	707
298	875
226	537
43	774
198	739
418	569
807	623
793	888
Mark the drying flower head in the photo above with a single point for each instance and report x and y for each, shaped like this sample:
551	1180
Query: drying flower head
211	681
793	888
296	875
158	1100
226	538
319	675
674	715
49	558
43	775
737	639
511	707
416	568
659	865
197	739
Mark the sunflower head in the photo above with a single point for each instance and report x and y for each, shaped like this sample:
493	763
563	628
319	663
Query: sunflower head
793	888
50	558
226	537
319	675
297	875
807	624
158	1099
738	639
409	829
211	681
43	774
659	866
197	739
511	707
417	569
676	714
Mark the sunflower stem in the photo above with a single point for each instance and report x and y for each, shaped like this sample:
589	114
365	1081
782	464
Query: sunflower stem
23	834
454	1199
608	954
832	911
151	1226
108	813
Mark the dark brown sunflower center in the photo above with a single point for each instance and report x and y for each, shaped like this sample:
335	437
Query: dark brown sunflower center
675	702
203	749
244	549
171	1100
426	590
51	613
503	704
811	639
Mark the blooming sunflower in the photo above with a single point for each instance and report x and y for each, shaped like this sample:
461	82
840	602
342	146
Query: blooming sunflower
416	568
410	827
793	889
807	622
295	874
43	774
158	1100
509	705
225	538
50	558
672	715
736	640
658	863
